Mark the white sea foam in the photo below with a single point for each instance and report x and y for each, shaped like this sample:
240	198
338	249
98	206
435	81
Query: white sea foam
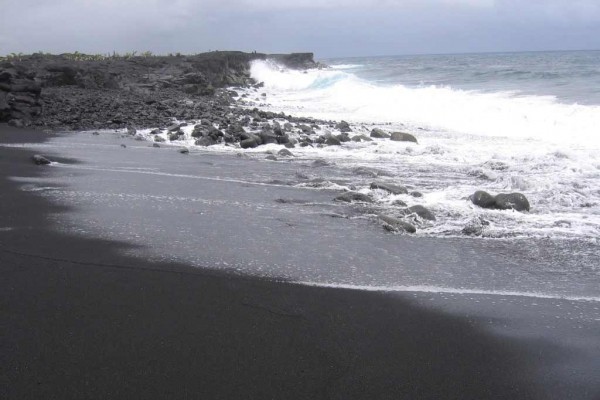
457	291
468	140
337	94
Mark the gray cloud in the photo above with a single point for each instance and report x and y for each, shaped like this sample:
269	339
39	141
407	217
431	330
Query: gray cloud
330	28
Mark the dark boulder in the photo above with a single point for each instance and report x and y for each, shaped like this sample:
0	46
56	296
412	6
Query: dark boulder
332	141
483	199
344	137
199	131
403	137
319	162
416	194
399	203
267	137
343	126
512	201
353	196
396	225
502	201
285	153
40	160
379	134
184	151
251	142
389	187
205	141
422	212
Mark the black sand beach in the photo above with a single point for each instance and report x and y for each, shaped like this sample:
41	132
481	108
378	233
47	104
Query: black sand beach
84	317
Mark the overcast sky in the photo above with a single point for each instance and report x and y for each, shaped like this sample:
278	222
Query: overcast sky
334	28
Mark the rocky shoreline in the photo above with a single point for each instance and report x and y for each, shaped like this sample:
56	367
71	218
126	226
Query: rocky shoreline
78	91
206	99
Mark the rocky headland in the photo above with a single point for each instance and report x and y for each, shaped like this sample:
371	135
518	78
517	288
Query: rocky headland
78	91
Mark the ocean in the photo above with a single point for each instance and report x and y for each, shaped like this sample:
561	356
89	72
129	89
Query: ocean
510	122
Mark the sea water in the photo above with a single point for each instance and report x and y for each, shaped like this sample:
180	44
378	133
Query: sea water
511	122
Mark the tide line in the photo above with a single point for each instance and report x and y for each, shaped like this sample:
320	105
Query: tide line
445	290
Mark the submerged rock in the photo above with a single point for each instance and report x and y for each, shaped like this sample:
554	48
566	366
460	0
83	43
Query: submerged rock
403	137
389	187
475	227
422	212
40	160
271	157
361	138
353	196
320	163
285	153
396	225
399	203
184	151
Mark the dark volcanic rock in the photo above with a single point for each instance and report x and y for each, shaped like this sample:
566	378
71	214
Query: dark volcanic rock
285	153
483	199
78	91
343	126
389	187
514	201
403	137
332	141
502	201
251	142
354	196
396	225
205	141
40	160
422	212
379	134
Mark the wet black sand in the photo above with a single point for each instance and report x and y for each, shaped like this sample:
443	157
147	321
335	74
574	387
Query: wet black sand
81	320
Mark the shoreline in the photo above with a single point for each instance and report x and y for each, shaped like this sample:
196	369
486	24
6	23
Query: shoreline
166	329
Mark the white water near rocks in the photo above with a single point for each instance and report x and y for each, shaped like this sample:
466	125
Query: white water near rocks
507	140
